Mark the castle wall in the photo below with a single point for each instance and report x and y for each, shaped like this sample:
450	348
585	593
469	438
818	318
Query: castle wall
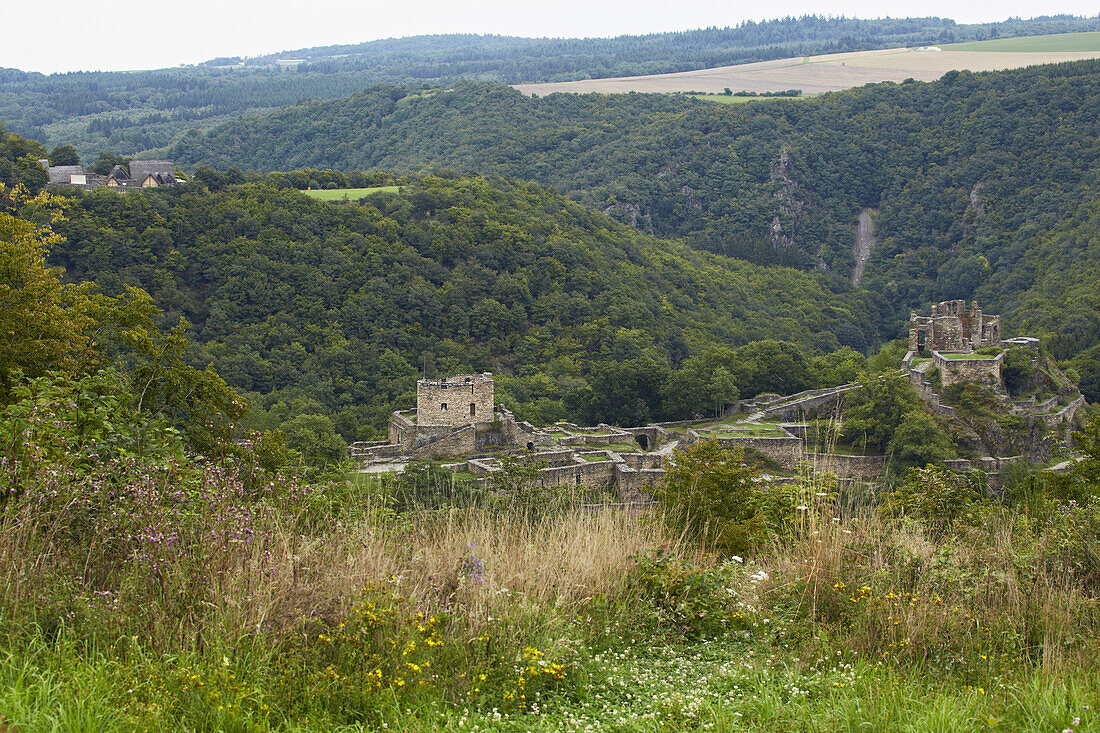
864	468
785	450
454	401
953	371
444	442
402	430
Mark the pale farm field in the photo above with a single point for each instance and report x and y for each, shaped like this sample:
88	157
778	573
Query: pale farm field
834	72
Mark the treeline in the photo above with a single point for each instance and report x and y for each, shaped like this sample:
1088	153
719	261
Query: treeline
966	173
19	164
515	60
132	111
324	315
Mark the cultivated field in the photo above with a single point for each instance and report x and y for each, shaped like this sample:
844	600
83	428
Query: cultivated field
833	72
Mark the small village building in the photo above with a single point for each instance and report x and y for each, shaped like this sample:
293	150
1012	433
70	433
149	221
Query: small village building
64	174
140	174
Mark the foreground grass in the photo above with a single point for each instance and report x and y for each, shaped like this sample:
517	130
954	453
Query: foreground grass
715	685
201	599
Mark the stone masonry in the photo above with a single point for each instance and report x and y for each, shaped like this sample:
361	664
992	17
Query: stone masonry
954	327
455	401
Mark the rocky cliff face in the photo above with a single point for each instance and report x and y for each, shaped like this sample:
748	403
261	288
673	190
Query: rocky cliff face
632	214
792	205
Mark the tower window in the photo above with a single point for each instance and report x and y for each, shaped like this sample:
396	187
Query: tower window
473	409
443	407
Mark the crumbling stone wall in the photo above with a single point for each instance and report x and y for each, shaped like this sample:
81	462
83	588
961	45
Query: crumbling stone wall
954	326
953	371
864	468
785	451
454	401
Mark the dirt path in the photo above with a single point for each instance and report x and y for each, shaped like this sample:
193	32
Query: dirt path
861	250
668	447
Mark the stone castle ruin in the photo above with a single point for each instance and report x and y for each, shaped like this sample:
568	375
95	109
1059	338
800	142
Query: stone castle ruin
457	422
953	335
953	327
462	400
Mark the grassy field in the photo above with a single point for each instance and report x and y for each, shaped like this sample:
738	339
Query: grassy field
226	600
834	72
1061	43
968	357
348	194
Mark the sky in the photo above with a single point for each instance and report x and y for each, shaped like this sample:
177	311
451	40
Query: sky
73	35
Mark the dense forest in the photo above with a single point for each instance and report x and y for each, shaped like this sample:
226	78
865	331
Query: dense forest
735	225
327	313
131	111
968	174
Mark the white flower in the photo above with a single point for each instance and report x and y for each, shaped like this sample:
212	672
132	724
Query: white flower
737	558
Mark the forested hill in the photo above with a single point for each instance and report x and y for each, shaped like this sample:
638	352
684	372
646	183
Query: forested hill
126	112
516	60
964	171
317	309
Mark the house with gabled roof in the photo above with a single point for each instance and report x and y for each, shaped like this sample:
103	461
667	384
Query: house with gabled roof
139	174
153	172
64	174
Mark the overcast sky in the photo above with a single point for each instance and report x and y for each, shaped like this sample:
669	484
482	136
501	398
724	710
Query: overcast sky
67	35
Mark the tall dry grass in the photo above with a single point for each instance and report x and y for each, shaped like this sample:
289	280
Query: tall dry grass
477	563
275	563
894	587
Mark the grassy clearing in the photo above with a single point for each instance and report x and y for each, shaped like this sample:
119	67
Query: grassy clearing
1059	43
348	194
968	357
746	429
735	425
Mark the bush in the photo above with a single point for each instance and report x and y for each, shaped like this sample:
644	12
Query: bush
711	493
1017	369
687	599
936	496
919	441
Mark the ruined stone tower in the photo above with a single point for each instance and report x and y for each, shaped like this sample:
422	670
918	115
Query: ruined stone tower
454	401
954	327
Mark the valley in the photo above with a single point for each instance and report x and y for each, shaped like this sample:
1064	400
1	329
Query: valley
737	378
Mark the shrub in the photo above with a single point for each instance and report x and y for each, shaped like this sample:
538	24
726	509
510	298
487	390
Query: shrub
935	495
919	441
712	494
685	598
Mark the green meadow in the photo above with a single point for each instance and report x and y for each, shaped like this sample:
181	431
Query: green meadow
348	194
1062	42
